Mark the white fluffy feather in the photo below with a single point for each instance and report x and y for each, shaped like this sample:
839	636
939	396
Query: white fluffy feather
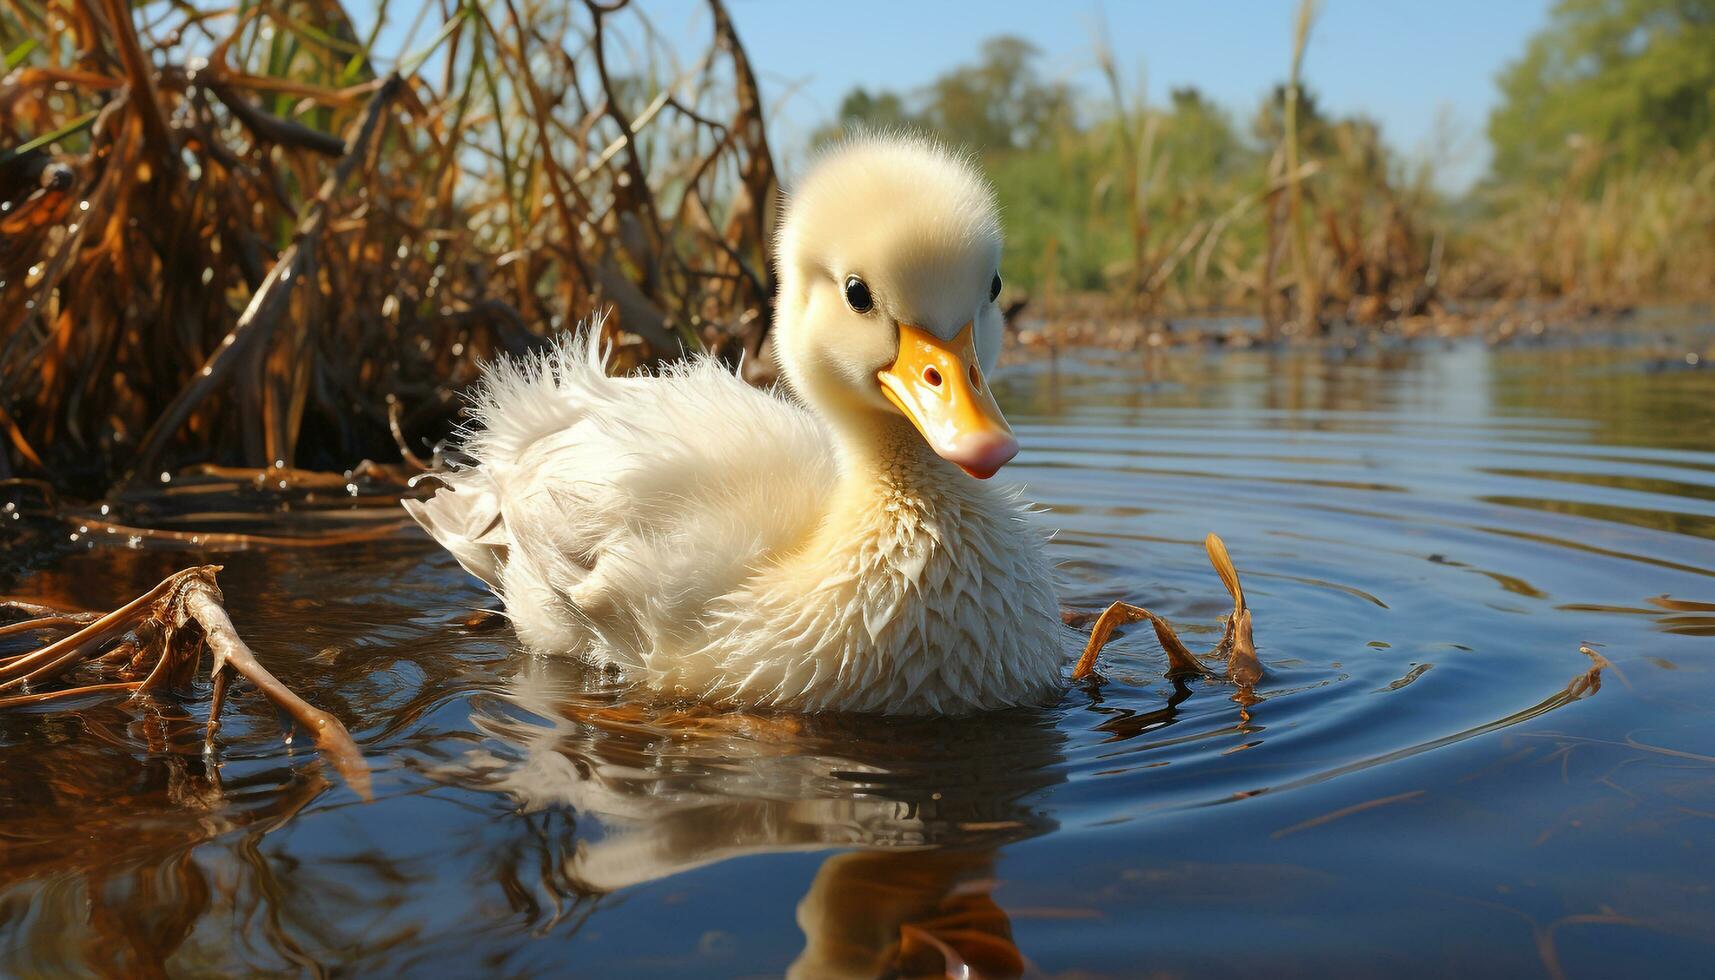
727	543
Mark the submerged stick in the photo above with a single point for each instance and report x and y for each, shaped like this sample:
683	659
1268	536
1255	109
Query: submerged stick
202	603
1237	646
111	626
1179	659
171	624
238	540
52	621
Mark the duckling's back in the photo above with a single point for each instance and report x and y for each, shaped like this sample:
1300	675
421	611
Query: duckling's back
607	510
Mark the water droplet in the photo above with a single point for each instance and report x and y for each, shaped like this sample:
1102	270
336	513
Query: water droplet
207	276
1692	358
83	205
166	477
105	510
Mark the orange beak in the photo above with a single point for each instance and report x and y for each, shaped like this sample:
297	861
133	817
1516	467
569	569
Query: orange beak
940	388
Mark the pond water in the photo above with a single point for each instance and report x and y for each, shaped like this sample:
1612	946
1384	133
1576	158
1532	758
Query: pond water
1427	534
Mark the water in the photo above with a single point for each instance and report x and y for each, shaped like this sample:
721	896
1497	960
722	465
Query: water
1427	537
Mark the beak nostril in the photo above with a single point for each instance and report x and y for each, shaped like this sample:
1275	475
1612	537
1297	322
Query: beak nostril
932	376
976	379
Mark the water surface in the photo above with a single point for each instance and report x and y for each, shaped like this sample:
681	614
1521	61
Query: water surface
1427	534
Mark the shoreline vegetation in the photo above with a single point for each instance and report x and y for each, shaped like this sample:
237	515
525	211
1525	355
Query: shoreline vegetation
246	249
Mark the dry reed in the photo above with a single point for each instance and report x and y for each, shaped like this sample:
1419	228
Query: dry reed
230	237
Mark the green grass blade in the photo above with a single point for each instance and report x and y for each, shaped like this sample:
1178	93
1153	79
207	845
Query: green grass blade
16	56
77	125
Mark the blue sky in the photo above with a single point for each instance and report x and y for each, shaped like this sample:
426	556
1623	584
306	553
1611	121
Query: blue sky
1424	70
1405	64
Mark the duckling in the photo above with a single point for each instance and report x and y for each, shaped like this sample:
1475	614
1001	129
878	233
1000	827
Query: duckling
835	545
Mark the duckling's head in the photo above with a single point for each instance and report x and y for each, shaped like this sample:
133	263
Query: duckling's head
889	266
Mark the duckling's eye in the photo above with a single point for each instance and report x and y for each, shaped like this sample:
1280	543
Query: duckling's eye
857	295
994	288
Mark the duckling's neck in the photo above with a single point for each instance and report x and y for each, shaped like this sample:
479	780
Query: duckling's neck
890	477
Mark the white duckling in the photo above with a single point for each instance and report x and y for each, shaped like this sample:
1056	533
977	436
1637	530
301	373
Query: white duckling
838	552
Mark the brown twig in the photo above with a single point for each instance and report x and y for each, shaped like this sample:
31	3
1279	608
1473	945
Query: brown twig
1237	647
202	604
238	541
172	624
274	129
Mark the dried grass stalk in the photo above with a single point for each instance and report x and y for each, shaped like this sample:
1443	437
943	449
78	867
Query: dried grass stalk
198	268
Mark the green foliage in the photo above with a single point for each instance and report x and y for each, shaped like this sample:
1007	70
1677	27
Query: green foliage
1062	179
1635	78
1601	185
998	103
1200	139
1091	198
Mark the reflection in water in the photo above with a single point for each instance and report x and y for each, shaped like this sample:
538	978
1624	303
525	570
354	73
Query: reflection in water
672	788
1428	537
125	870
872	914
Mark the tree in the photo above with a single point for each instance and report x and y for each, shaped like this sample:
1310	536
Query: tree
999	103
1198	137
861	110
1630	79
1315	130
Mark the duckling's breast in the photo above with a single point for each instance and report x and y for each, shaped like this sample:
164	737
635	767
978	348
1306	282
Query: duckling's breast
916	605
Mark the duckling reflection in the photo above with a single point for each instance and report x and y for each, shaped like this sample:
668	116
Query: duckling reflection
922	913
661	789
